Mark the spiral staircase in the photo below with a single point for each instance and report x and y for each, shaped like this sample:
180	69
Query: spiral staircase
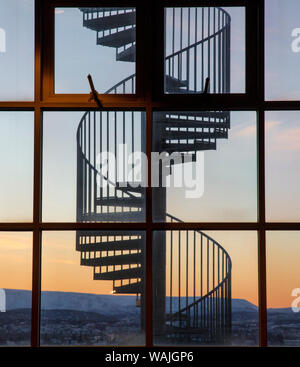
192	272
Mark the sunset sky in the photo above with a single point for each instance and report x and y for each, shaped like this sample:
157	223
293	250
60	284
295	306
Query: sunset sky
230	172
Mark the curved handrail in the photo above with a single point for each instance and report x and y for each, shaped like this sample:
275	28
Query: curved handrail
218	286
196	44
122	82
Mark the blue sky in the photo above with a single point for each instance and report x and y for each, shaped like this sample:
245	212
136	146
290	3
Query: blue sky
17	21
282	64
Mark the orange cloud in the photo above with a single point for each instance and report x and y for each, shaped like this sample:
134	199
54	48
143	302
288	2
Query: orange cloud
271	124
247	131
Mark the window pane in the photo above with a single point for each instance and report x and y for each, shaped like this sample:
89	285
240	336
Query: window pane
110	58
282	36
283	279
282	162
206	288
16	166
93	288
16	50
218	179
201	43
93	169
15	295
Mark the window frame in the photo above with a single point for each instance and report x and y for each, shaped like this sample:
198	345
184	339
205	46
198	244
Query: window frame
149	97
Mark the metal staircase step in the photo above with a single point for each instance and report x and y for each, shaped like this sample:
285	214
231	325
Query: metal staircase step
129	187
181	135
191	157
110	21
109	233
113	260
132	288
174	84
122	216
118	245
101	10
175	147
204	114
133	202
133	273
180	123
127	55
117	39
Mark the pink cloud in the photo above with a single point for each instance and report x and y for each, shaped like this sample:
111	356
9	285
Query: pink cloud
286	140
271	124
247	131
250	130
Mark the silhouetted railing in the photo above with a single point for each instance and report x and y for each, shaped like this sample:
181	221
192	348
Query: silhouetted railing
198	284
203	52
100	196
198	269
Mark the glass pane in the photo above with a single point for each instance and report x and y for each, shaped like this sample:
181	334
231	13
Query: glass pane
208	170
93	288
282	160
282	38
15	295
283	289
205	43
206	288
16	166
93	166
105	48
16	50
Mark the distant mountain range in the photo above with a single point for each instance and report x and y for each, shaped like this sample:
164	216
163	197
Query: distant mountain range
104	304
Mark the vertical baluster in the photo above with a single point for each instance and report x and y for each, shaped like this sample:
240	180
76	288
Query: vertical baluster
187	274
107	146
89	167
132	146
179	276
101	177
194	282
223	55
171	277
214	49
213	287
115	181
207	264
173	43
94	165
115	148
85	168
180	58
202	51
219	54
195	51
125	178
188	51
218	298
208	43
201	278
228	55
223	305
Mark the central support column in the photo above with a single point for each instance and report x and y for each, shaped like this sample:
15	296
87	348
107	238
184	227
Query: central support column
159	239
